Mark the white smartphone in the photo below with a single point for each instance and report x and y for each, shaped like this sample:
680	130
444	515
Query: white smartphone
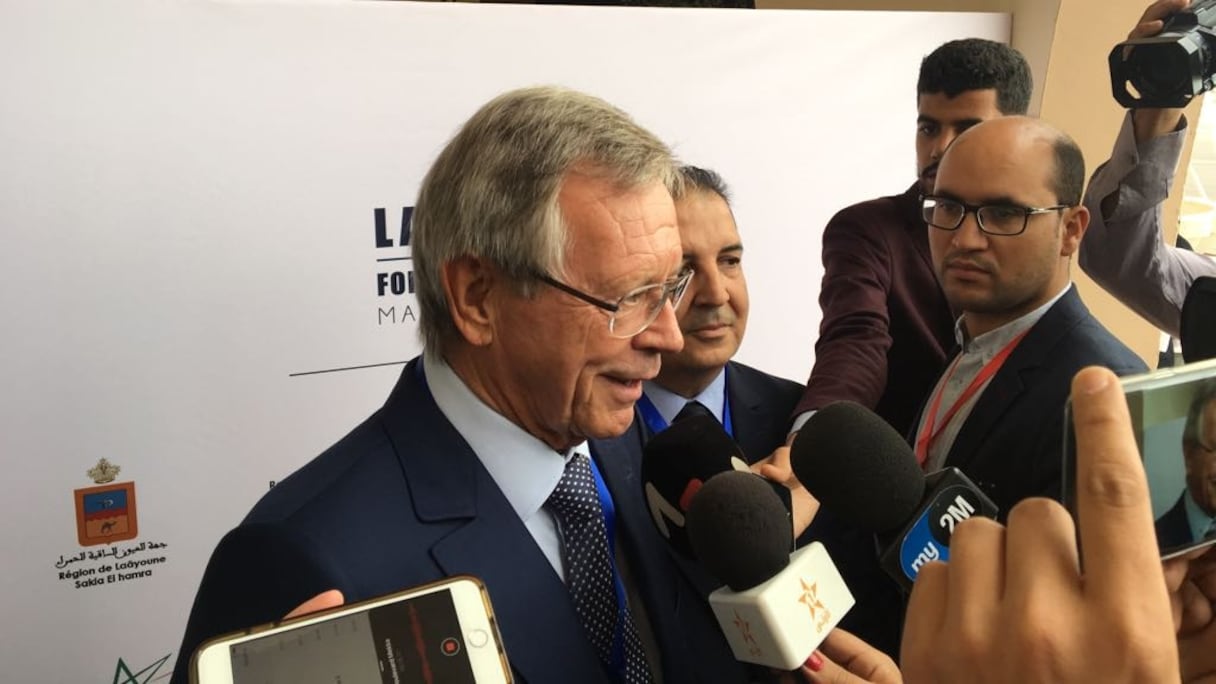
1173	414
440	632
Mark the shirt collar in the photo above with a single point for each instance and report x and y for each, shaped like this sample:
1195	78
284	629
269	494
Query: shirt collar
991	342
526	469
669	404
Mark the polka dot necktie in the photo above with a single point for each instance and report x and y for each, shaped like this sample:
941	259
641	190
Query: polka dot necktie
589	573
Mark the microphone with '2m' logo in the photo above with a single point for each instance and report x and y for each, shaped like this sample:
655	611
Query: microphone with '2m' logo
861	469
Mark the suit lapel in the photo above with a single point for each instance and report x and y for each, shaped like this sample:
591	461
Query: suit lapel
542	633
619	462
647	554
747	418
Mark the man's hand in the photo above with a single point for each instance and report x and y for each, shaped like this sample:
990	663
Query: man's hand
326	599
1012	604
1151	123
777	468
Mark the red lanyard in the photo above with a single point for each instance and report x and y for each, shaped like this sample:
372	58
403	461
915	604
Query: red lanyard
927	433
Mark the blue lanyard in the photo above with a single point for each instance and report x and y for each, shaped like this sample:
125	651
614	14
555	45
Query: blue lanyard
617	658
657	423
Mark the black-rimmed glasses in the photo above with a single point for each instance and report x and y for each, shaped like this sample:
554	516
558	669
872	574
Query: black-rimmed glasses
993	219
634	312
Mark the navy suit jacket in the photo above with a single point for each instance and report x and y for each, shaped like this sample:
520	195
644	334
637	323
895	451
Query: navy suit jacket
1012	443
1173	528
402	500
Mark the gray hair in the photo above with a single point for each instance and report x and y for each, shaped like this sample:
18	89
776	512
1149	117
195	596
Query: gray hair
1194	415
492	192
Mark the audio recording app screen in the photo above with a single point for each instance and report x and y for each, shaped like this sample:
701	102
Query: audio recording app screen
417	641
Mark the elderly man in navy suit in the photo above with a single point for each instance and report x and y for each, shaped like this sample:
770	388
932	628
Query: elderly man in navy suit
1005	219
1193	516
548	266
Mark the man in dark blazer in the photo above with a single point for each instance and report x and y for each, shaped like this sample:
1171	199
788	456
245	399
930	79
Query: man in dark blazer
547	263
1193	515
1005	220
886	328
753	405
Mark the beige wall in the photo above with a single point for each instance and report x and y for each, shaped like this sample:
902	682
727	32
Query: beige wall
1066	43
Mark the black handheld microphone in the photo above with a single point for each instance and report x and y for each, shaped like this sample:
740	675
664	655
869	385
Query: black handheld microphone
678	461
777	607
860	468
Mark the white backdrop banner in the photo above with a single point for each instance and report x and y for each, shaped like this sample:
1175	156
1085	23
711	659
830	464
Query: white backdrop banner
205	270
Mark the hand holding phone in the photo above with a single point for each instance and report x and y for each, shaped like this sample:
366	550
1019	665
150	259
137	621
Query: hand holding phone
440	632
1173	415
1014	604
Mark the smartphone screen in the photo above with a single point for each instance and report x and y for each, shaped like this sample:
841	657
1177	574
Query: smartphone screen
1173	415
417	641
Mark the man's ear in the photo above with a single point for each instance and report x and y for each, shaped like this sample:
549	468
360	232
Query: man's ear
469	283
1075	224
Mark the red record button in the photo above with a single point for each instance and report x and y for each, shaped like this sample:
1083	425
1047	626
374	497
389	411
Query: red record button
450	646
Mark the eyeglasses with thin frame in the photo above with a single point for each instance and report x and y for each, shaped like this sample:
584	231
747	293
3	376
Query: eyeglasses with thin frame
994	219
634	312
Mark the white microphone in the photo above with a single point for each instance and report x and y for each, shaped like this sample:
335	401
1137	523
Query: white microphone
776	608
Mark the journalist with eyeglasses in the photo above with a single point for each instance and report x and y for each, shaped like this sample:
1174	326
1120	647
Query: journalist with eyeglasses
1004	221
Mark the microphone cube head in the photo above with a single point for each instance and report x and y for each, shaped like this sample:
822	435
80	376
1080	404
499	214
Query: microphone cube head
779	623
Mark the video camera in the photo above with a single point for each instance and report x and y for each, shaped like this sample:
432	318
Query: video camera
1170	68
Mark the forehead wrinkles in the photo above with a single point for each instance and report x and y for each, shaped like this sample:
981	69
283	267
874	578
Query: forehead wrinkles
631	233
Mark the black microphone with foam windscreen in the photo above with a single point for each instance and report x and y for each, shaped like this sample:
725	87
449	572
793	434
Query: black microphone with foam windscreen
862	470
678	461
776	607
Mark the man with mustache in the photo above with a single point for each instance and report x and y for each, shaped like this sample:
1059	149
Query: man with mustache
1005	219
752	405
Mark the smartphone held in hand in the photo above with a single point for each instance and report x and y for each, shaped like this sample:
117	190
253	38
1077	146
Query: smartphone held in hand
1173	414
439	632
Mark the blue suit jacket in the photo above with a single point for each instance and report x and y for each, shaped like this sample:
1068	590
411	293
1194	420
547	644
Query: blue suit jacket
402	500
1012	444
1173	528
